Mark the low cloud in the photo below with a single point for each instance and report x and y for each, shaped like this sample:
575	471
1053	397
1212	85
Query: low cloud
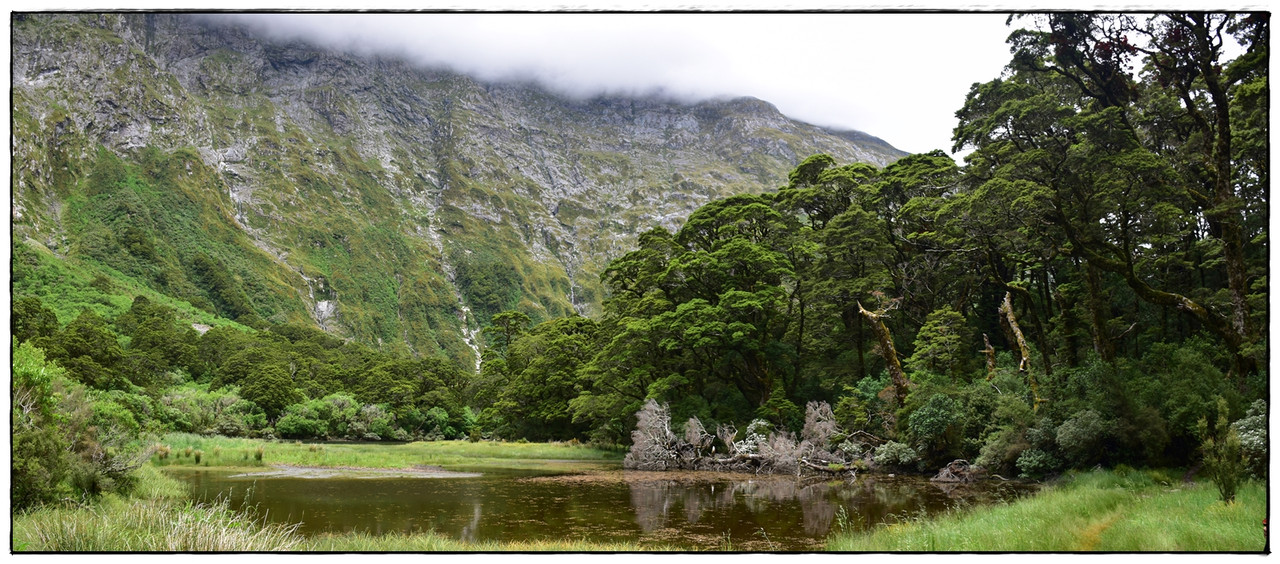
900	77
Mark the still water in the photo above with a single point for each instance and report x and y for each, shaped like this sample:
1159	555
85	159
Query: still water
691	510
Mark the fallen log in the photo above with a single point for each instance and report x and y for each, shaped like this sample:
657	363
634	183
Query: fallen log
825	468
737	458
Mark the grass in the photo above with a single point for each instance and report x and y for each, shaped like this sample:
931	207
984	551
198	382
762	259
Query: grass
156	517
159	517
1096	511
231	452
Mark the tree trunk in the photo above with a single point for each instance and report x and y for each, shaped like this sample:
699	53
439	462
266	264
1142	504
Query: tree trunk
1024	365
1098	314
890	354
991	357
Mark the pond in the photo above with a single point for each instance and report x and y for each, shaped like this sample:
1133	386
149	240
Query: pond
690	510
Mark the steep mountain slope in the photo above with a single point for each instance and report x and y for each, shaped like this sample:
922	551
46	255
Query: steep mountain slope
388	203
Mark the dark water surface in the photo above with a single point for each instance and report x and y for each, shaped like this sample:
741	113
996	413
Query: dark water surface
696	511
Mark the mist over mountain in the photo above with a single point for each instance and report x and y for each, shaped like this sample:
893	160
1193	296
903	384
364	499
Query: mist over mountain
267	179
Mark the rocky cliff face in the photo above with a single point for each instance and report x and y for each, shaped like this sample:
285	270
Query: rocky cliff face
381	201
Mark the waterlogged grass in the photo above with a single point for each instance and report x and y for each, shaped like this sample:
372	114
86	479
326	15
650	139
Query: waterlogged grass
1097	511
230	452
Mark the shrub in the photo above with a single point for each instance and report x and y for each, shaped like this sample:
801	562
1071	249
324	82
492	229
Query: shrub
1002	449
39	463
1224	460
1081	436
652	443
1034	463
1253	439
295	425
895	454
933	426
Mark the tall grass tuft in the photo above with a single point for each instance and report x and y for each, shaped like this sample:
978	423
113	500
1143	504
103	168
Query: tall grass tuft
148	525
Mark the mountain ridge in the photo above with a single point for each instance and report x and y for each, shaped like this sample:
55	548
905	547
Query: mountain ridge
375	199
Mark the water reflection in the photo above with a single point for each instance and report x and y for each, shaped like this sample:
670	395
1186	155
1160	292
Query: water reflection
692	510
865	501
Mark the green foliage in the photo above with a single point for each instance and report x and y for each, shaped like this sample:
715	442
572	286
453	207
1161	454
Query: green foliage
1094	511
940	344
1224	457
1132	242
489	284
30	319
895	454
542	378
935	429
1035	463
271	388
1081	437
38	463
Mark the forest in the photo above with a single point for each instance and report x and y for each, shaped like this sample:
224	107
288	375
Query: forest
1089	288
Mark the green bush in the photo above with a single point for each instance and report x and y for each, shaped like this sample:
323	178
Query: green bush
1035	463
1224	460
39	463
1253	439
935	428
297	426
895	454
1081	437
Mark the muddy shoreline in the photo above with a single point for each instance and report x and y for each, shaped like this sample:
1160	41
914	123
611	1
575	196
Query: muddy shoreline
320	472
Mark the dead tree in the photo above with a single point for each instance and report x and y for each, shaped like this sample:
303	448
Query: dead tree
901	386
696	442
1006	309
991	357
819	424
1024	365
653	445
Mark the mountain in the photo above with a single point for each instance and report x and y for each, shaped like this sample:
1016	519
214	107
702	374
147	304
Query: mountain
266	182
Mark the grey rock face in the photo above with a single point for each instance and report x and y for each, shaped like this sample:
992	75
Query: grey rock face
567	184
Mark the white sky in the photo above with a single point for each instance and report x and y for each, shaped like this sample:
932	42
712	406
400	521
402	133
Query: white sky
900	77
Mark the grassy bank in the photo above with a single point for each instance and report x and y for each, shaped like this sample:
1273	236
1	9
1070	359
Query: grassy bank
1096	511
184	449
159	517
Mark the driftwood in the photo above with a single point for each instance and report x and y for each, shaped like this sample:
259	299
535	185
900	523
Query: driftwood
737	458
958	471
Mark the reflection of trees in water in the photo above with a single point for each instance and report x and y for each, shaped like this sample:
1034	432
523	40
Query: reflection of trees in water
654	500
869	500
469	530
